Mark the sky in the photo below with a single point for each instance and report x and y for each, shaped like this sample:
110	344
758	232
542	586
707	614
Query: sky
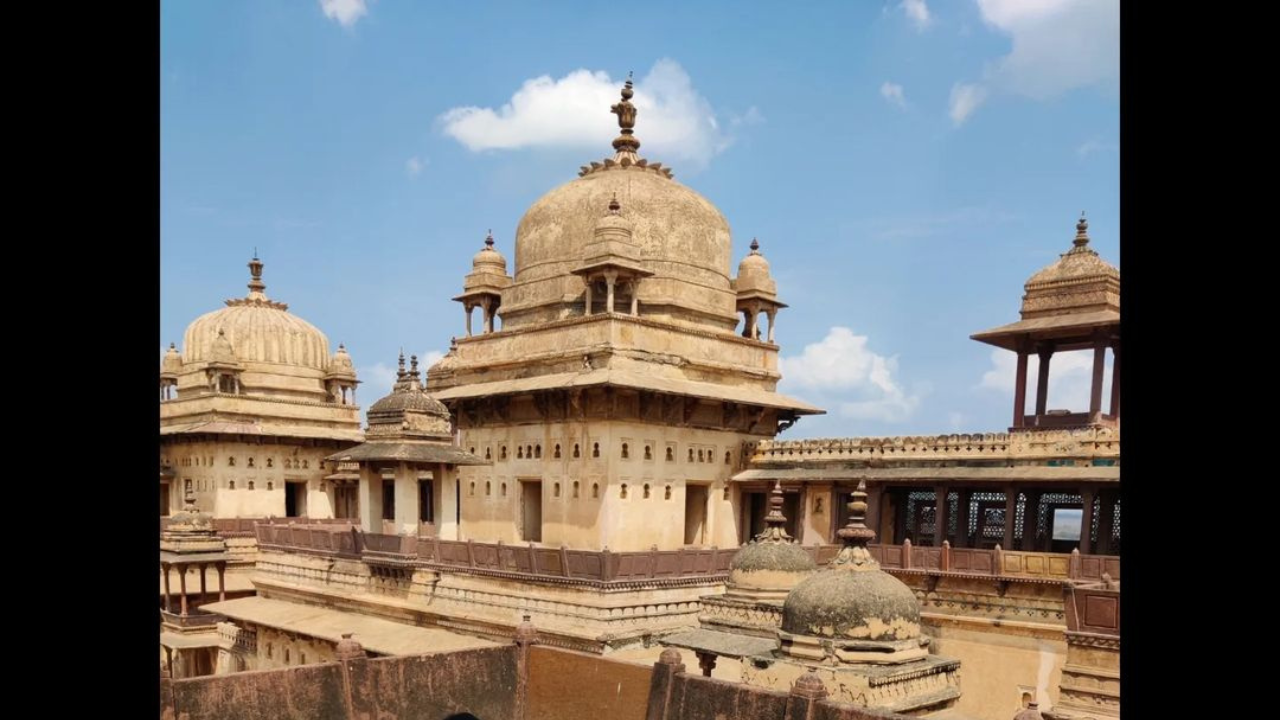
906	166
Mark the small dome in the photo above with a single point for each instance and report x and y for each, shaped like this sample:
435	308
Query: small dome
753	273
488	258
222	352
1078	281
407	395
614	220
449	361
172	363
772	560
866	605
853	599
340	364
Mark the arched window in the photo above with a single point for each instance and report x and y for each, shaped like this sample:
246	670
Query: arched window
667	495
557	490
528	451
648	452
231	461
671	454
575	489
576	452
537	452
487	455
488	488
700	456
250	484
595	491
557	451
727	455
595	450
504	452
623	494
271	485
473	489
626	452
504	489
231	485
519	453
690	454
270	462
646	491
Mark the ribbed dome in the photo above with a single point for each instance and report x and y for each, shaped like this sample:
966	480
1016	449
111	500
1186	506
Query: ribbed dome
409	400
863	605
682	238
259	330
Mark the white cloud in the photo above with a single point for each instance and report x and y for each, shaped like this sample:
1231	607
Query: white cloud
674	122
346	12
1070	377
1058	45
893	93
413	166
918	11
859	382
752	116
965	98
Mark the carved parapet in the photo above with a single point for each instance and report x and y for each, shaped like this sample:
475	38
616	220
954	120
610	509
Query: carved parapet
1085	443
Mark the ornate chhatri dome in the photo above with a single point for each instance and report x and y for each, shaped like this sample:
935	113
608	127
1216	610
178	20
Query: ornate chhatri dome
863	613
682	238
409	407
753	273
257	330
1079	281
773	562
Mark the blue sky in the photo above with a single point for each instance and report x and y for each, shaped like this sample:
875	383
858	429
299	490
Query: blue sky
905	165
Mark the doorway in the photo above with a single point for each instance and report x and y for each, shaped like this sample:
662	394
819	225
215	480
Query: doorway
531	510
695	514
164	499
346	501
295	498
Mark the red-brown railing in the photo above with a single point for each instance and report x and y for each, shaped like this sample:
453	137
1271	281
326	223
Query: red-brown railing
975	561
534	560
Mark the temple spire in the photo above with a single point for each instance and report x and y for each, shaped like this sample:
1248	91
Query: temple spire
626	144
775	522
255	272
856	535
1082	232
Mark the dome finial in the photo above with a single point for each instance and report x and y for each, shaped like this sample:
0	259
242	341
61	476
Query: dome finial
400	372
615	208
856	535
1082	231
626	144
413	366
755	246
488	241
255	271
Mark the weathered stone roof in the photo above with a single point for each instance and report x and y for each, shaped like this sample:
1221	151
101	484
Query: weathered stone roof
408	451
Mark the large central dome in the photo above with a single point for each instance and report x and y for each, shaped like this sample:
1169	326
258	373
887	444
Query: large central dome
683	239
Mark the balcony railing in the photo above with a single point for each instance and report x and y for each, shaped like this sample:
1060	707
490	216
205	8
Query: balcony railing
973	561
533	561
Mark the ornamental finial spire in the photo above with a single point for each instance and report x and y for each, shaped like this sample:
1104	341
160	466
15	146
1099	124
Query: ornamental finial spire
488	241
775	522
627	143
255	274
856	535
1082	232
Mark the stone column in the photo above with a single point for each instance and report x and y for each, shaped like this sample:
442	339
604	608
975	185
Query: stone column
1010	515
487	305
610	279
1020	392
203	589
1115	381
168	599
772	314
1087	496
1106	521
587	303
182	585
962	519
1095	390
1031	521
222	584
1042	382
875	498
468	307
940	515
635	297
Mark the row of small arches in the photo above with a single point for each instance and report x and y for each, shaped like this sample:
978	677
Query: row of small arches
576	487
534	452
206	485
